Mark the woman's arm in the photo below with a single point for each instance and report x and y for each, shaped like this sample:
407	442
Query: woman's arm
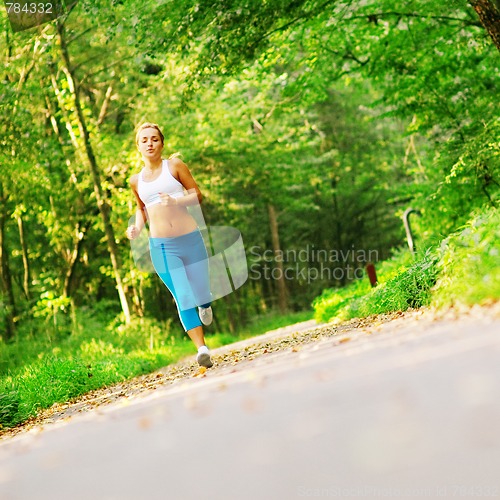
180	201
140	216
181	172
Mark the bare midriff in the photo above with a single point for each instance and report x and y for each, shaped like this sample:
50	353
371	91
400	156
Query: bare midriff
169	221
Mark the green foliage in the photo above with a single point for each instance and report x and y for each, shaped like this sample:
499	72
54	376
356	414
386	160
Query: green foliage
341	115
465	270
469	265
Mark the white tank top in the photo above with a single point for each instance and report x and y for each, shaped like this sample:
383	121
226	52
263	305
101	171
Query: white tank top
149	192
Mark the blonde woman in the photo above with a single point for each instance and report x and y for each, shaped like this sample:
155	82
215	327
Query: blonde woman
177	249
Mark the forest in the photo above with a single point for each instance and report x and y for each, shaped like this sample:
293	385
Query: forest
310	126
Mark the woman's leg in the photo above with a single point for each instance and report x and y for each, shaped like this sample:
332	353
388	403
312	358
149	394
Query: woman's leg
170	269
196	335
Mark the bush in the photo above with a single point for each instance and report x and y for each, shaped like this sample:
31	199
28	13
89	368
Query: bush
469	265
408	289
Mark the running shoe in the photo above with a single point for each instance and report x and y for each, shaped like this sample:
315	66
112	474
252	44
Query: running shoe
206	315
204	359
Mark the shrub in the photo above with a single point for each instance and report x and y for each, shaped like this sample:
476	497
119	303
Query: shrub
469	265
338	303
408	289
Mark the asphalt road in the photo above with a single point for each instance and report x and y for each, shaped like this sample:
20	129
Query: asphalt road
407	409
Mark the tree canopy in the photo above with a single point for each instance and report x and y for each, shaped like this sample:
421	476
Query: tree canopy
308	124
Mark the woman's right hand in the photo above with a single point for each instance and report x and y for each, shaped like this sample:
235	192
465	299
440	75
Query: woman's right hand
132	232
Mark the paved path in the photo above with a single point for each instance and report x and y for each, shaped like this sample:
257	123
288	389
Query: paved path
407	409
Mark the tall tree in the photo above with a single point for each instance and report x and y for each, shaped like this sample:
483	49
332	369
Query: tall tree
88	152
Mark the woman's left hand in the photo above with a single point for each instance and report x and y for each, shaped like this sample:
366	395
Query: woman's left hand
168	201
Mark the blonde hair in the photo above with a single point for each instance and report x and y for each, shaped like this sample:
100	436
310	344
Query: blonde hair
149	125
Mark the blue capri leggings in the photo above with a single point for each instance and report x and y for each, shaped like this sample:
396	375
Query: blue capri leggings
182	264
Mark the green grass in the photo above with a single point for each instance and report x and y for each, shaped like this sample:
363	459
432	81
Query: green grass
37	371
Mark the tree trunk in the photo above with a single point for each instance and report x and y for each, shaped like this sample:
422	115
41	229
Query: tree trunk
81	228
24	250
105	106
137	292
73	258
102	204
489	15
273	224
5	276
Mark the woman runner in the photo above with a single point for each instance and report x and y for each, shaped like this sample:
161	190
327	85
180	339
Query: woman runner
177	249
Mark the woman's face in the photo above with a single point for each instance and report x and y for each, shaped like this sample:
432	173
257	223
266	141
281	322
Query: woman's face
149	143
